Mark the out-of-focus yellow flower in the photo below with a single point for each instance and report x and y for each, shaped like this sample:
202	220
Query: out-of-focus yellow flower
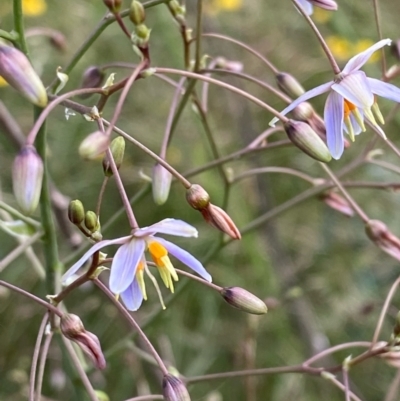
364	44
340	47
3	82
321	16
216	6
33	8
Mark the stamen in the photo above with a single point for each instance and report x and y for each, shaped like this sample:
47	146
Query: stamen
350	129
357	115
140	280
377	112
156	286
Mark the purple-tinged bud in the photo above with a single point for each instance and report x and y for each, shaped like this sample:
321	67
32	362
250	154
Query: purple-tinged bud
230	65
330	5
244	300
289	84
197	197
92	78
174	389
92	221
379	233
307	140
136	13
338	203
27	177
94	145
113	5
117	148
72	328
58	40
161	184
76	212
16	69
219	219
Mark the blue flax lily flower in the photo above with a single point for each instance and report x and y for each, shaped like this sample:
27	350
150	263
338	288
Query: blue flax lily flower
307	5
351	99
129	262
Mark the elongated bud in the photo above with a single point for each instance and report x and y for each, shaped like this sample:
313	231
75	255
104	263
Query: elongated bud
113	5
197	197
289	84
177	10
76	212
94	145
230	65
244	300
307	140
92	221
174	389
72	328
338	203
330	5
136	13
27	177
117	148
16	69
92	78
379	233
219	219
161	184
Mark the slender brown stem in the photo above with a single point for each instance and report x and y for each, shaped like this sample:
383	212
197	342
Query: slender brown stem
42	364
198	279
101	194
379	29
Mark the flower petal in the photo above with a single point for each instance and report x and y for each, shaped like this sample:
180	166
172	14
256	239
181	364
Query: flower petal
132	296
124	265
306	6
355	88
356	62
384	89
185	257
305	96
333	116
73	269
168	226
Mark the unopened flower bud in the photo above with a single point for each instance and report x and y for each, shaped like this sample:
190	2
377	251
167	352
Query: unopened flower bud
174	389
16	69
337	202
219	219
92	221
379	233
142	35
113	5
244	300
234	66
92	78
76	212
197	197
58	40
136	13
329	5
27	174
117	148
289	84
177	10
307	140
94	145
72	328
161	184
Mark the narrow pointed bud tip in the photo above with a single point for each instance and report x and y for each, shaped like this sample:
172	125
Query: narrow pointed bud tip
16	69
219	219
27	175
117	148
76	212
174	389
378	232
289	84
307	140
338	203
161	184
93	77
72	328
94	145
136	13
197	197
244	300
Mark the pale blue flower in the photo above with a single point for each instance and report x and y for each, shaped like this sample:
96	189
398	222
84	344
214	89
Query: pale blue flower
128	264
351	99
307	5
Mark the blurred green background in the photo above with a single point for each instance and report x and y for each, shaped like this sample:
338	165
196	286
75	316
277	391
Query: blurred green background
323	280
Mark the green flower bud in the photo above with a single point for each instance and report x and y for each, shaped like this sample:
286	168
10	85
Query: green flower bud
177	10
174	389
92	221
136	13
197	197
94	145
117	148
161	184
289	84
76	212
27	174
307	140
244	300
16	69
